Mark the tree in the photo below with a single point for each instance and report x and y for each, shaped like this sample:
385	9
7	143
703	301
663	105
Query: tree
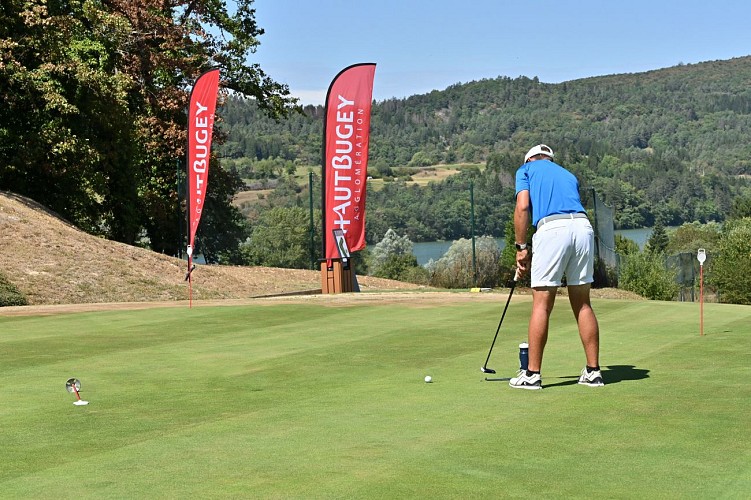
223	227
728	267
625	246
455	270
401	268
658	240
741	207
66	128
391	245
691	236
281	238
392	258
92	120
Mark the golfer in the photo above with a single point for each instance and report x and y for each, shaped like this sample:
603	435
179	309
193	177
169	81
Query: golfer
562	245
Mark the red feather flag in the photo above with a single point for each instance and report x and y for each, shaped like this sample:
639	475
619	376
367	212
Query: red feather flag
346	136
200	128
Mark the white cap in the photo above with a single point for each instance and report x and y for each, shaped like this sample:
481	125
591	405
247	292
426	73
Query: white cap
540	149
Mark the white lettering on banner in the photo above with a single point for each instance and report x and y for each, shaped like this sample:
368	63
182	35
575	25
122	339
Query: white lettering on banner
344	147
340	210
201	150
348	157
342	163
340	189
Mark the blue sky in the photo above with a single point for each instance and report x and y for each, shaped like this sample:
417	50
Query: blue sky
423	45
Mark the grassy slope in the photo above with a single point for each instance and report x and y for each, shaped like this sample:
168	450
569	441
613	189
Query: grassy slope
306	401
52	262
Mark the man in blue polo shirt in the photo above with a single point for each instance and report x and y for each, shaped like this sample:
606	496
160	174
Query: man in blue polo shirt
563	245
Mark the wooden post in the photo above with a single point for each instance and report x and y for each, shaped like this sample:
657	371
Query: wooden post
337	278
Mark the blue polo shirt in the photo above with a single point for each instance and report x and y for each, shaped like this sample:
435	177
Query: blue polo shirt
552	189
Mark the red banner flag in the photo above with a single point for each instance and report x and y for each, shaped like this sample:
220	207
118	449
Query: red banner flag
200	128
346	136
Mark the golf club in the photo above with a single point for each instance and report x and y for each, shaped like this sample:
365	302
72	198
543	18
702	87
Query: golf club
485	368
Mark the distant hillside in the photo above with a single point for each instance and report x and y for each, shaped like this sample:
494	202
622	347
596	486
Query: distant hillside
699	114
672	144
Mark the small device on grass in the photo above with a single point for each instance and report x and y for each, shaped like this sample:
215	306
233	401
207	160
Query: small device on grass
74	385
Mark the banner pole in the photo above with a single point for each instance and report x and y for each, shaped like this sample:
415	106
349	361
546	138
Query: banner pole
701	256
312	223
701	300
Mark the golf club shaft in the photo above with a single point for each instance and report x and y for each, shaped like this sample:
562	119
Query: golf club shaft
511	292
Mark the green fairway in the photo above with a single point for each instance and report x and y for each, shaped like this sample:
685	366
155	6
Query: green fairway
306	401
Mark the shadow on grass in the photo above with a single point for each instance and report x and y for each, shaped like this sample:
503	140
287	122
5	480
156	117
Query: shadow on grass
612	374
620	373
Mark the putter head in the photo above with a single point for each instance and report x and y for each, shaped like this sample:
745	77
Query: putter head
485	369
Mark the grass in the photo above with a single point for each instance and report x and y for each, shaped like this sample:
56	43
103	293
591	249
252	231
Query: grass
304	401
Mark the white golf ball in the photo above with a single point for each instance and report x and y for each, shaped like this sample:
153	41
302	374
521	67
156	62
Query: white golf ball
428	379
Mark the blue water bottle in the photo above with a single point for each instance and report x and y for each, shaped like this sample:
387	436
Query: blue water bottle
523	356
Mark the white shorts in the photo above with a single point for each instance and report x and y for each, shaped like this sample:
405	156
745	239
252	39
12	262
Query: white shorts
563	246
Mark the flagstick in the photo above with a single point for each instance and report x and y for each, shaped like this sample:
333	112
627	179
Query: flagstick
190	282
189	277
701	256
701	300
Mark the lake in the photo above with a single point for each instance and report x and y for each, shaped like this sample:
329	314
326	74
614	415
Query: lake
436	249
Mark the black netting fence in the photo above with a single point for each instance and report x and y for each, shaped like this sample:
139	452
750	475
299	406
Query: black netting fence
604	232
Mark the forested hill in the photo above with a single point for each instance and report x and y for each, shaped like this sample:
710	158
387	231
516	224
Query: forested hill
673	143
698	113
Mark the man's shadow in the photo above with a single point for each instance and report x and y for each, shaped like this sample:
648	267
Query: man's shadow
611	374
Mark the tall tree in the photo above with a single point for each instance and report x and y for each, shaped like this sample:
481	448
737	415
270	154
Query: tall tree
658	240
93	96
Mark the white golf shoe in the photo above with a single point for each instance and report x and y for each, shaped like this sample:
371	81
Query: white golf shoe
523	381
592	379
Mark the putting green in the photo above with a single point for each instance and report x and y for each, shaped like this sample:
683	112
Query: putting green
303	401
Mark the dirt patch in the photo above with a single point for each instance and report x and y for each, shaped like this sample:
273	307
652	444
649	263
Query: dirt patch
423	177
52	262
250	197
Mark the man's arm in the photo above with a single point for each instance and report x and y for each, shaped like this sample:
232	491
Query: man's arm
521	216
521	225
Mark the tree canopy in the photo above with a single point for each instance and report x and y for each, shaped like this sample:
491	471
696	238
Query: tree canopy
92	105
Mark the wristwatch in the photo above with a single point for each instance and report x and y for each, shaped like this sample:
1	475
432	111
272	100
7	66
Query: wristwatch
520	246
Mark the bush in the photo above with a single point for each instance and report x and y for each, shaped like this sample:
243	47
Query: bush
402	268
728	270
10	295
392	258
391	244
454	269
645	273
625	246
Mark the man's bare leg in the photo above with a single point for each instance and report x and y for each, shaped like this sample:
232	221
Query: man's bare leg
589	330
543	300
